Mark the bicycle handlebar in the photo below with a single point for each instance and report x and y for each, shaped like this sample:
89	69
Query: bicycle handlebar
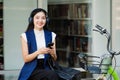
103	31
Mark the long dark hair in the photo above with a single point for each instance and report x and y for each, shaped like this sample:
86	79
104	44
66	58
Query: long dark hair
30	19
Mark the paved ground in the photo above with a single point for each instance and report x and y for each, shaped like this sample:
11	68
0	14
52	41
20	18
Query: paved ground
9	74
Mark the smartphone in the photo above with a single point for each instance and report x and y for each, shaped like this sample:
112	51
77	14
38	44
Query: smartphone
50	44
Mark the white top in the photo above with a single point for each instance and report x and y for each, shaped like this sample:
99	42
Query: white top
40	40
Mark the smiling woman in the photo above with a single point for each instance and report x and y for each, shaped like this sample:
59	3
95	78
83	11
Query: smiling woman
34	48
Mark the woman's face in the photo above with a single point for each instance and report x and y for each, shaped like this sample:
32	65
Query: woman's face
39	20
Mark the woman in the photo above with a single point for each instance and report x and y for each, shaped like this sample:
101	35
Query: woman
34	48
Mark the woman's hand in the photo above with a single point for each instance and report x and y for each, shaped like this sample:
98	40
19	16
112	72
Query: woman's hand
44	50
50	51
53	53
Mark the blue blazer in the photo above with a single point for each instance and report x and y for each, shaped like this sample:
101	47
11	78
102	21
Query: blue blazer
28	67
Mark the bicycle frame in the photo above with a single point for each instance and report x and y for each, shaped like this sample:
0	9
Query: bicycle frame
110	70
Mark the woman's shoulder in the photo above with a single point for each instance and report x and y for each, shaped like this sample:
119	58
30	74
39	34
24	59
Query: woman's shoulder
53	33
23	35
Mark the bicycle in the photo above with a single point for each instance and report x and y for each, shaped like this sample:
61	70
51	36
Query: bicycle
104	66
